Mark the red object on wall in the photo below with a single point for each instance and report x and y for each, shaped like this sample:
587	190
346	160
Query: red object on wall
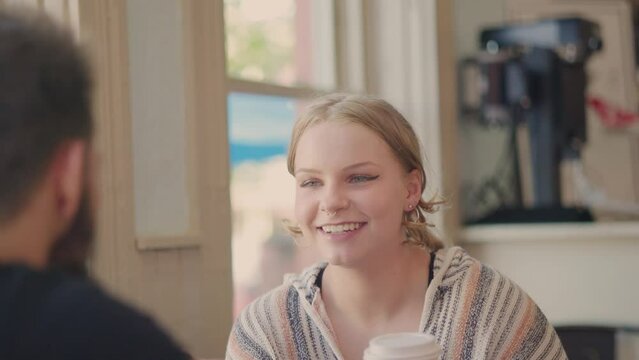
612	116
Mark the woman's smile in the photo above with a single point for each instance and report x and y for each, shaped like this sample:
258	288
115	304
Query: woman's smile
341	231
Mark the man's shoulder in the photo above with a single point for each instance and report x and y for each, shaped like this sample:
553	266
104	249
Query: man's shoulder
23	290
47	293
50	312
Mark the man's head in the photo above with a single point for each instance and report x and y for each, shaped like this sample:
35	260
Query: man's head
45	129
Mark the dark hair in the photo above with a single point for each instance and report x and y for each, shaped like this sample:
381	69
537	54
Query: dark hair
45	92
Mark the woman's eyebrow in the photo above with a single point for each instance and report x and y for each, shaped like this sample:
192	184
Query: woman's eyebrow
360	164
306	170
348	167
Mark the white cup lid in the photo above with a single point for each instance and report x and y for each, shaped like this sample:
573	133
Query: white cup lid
404	345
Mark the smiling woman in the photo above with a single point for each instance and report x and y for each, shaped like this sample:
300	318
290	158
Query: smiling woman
359	181
351	193
386	140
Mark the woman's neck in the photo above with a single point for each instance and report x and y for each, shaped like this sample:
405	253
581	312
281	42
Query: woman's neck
377	292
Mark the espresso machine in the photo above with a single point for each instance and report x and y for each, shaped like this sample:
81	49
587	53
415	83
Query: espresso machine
533	75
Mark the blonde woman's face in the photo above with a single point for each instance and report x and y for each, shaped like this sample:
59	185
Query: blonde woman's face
351	193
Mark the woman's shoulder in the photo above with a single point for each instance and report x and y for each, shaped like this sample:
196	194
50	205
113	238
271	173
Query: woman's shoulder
266	325
507	323
295	288
454	266
476	285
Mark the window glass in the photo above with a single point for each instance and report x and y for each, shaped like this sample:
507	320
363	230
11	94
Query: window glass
262	194
283	42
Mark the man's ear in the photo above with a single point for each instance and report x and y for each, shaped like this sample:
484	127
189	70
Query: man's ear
68	173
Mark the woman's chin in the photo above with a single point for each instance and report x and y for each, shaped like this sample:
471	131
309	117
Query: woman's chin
346	260
334	258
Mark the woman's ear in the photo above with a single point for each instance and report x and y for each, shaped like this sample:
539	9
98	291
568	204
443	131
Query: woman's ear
68	172
414	189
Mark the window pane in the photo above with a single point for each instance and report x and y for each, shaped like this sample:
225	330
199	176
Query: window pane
284	42
262	194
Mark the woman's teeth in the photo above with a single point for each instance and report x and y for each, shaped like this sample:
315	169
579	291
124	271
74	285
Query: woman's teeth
335	229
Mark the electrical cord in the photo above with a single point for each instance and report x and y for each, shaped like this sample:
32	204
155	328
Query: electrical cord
494	191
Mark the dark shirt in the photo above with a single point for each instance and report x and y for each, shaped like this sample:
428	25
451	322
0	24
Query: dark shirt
50	315
431	273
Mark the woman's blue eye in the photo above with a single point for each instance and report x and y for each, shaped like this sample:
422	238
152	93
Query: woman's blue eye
362	178
311	182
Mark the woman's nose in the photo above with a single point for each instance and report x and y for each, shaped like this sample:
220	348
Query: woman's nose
334	199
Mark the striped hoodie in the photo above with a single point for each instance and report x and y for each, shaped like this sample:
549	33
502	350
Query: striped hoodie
473	311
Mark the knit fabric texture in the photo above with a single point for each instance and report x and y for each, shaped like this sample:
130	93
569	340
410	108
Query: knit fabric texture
473	311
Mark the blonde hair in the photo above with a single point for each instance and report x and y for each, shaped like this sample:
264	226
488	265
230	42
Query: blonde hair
383	119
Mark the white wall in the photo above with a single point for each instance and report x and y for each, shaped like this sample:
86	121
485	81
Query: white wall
574	281
470	17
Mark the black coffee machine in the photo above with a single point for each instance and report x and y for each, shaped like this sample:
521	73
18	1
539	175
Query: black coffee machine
533	75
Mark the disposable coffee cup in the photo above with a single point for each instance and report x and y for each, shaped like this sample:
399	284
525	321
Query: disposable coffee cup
403	346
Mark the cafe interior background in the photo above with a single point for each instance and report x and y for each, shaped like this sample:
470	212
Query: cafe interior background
194	105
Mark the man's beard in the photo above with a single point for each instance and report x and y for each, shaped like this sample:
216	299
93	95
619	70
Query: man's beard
71	250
